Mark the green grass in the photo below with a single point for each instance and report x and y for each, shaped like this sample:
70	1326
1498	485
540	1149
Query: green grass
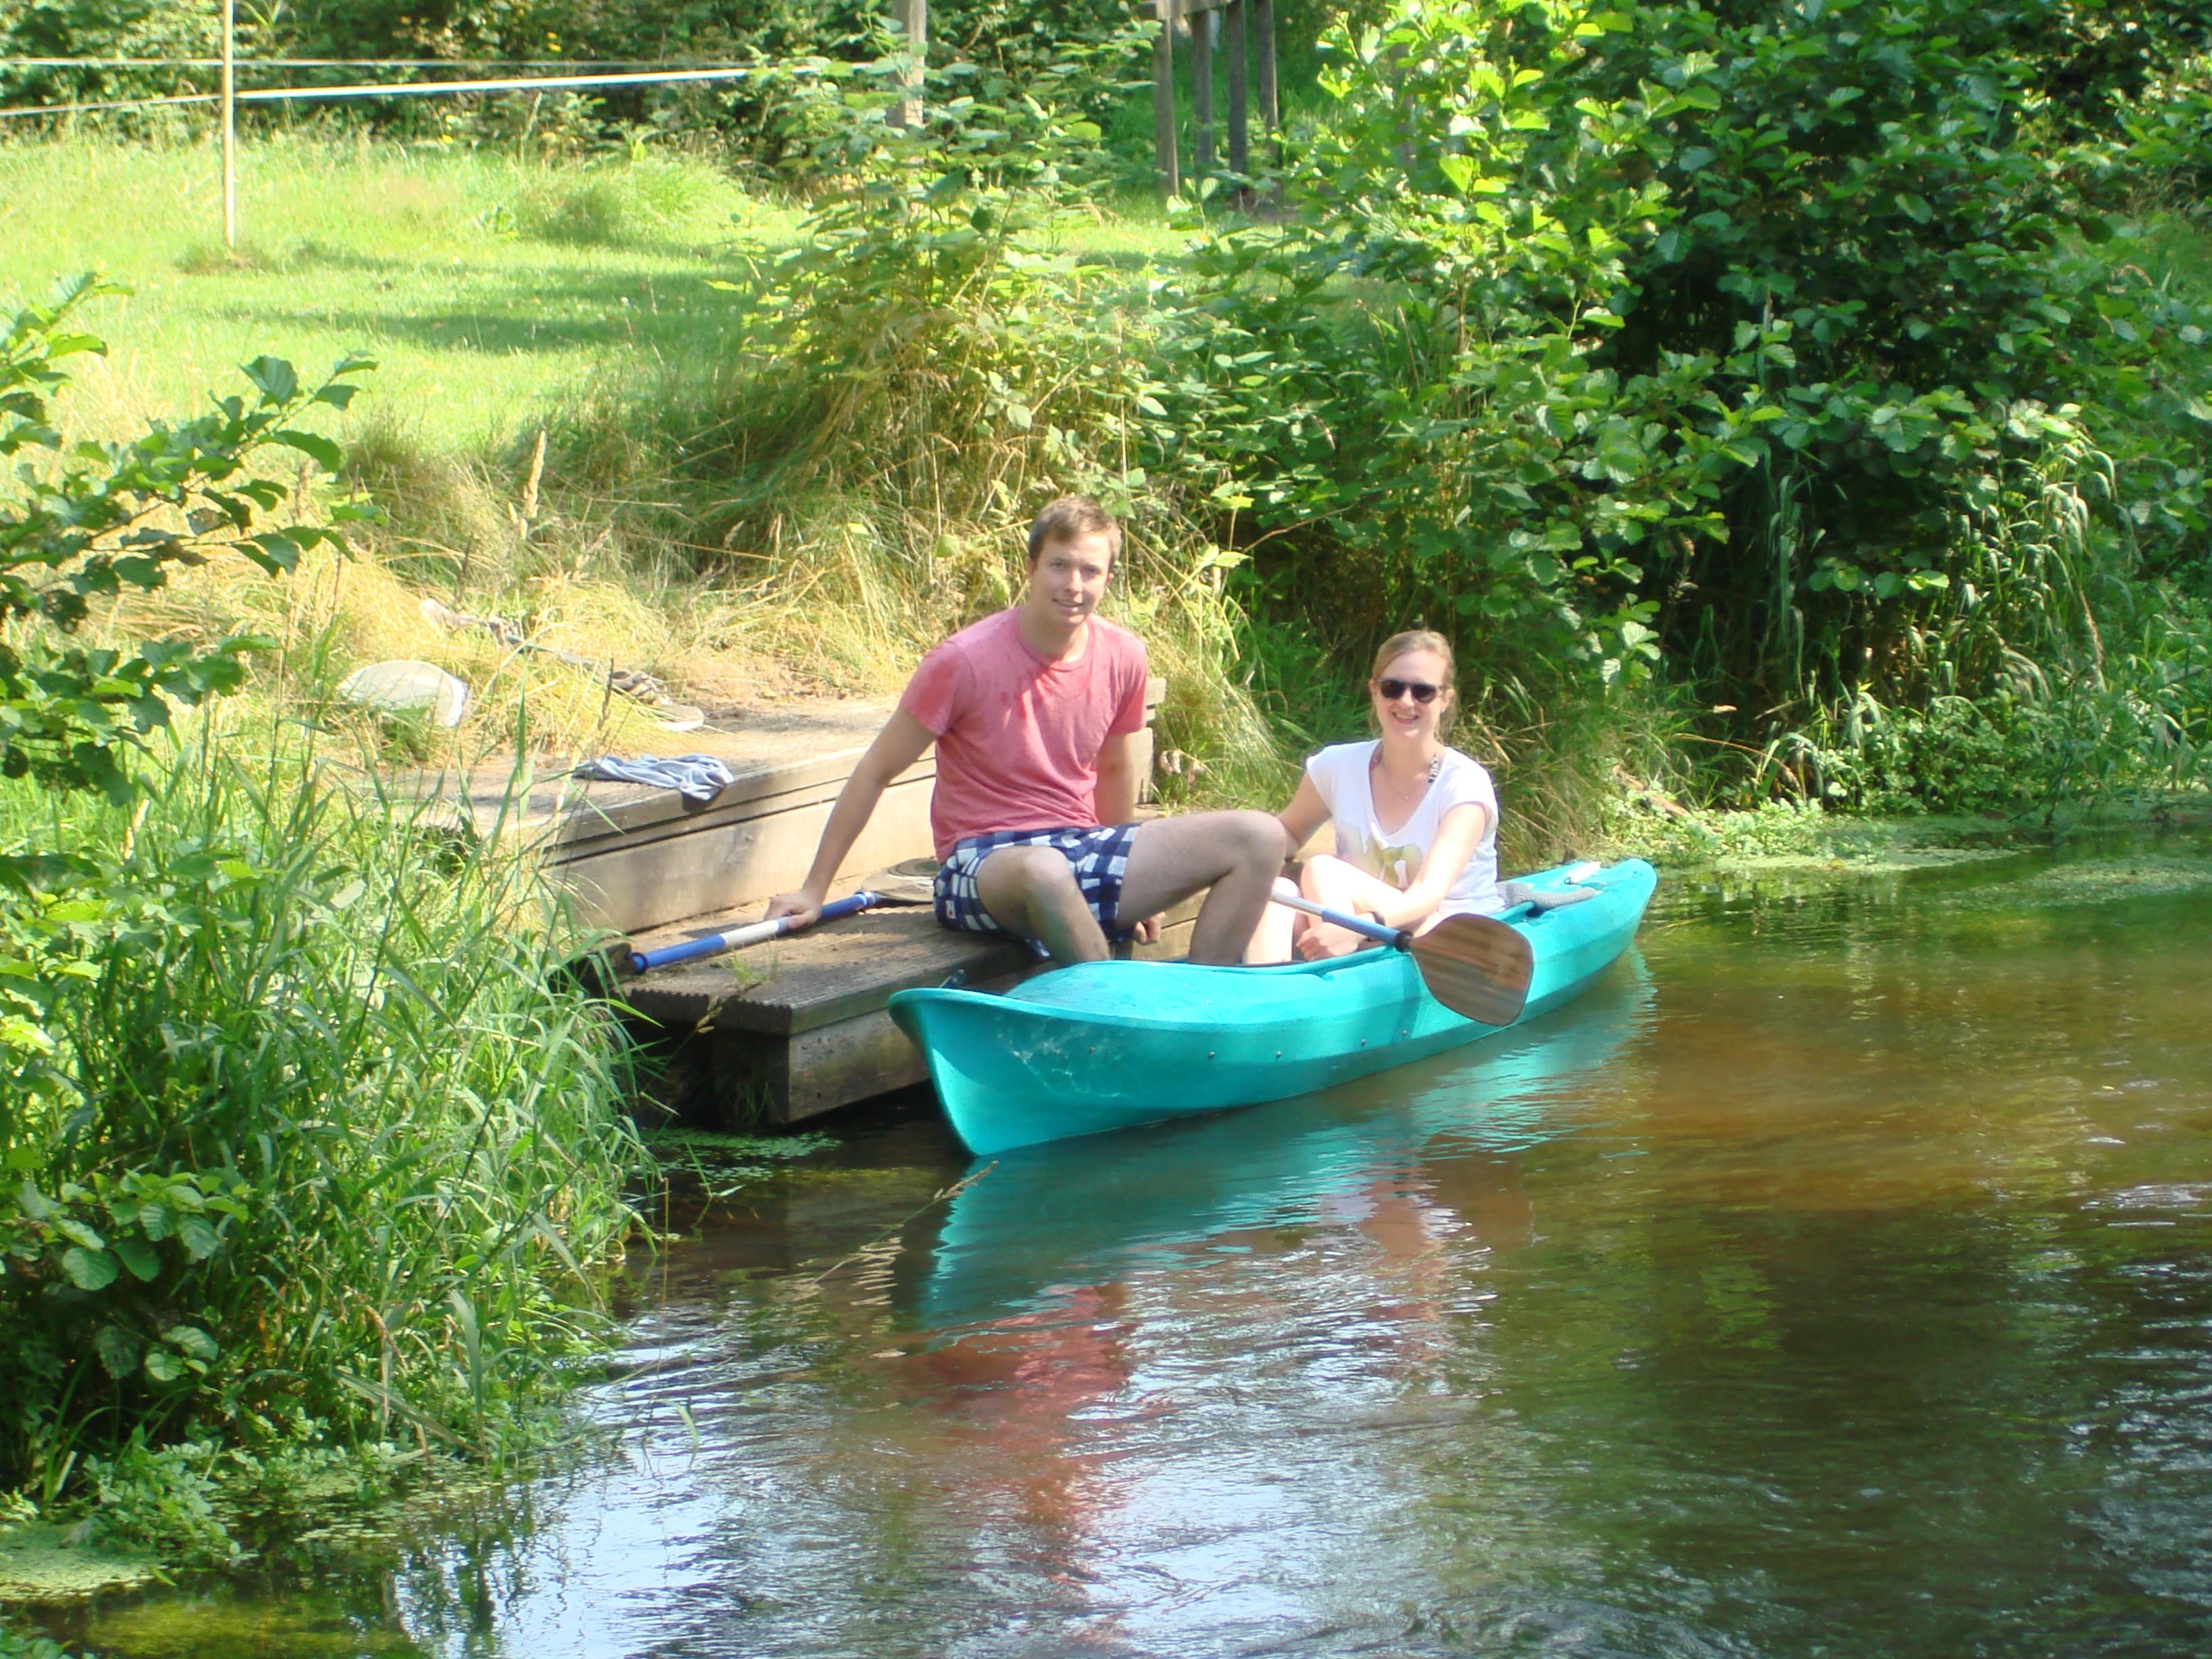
499	300
486	290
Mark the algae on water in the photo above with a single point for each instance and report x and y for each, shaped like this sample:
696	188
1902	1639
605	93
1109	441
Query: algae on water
38	1565
2156	875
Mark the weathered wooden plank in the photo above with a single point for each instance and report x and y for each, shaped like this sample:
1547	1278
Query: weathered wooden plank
587	835
759	1076
687	861
632	887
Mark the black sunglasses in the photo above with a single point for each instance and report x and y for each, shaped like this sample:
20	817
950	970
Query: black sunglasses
1394	689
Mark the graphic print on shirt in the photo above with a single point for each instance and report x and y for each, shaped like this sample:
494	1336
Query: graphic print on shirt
1399	866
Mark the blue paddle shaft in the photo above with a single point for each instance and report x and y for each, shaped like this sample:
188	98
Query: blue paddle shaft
1397	938
734	938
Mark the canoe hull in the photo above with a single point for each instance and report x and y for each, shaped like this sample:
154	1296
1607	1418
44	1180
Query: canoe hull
1109	1045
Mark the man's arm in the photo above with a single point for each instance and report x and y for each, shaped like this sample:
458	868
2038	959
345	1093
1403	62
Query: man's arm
1116	795
897	747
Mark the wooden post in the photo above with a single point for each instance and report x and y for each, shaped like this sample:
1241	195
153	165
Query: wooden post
230	126
1263	24
913	22
1201	93
1163	100
1240	141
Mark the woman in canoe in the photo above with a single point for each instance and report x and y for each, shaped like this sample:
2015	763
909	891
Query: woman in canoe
1416	822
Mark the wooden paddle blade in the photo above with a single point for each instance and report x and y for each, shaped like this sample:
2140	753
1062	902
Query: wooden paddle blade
1478	968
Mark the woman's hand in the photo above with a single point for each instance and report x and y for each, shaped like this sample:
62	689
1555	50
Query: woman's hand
1325	939
1147	931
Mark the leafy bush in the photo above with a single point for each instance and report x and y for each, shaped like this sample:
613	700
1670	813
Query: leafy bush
1751	339
303	1136
315	1134
107	517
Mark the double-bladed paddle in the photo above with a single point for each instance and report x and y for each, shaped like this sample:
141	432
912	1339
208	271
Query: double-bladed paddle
1476	966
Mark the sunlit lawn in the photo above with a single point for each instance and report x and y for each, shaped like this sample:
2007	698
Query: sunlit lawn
485	289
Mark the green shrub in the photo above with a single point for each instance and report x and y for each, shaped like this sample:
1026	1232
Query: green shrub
1755	345
315	1133
306	1141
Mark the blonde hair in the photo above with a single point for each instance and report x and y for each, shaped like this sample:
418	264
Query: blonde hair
1422	639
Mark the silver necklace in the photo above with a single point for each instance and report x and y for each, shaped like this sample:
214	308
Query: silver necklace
1436	765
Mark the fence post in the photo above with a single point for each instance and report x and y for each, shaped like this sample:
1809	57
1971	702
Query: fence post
914	21
230	126
1163	109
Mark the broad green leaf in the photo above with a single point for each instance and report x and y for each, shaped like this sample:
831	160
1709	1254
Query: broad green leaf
314	445
278	382
88	1270
200	1240
192	1340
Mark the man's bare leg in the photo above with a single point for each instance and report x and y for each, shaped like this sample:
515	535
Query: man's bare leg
1271	938
1238	854
1031	891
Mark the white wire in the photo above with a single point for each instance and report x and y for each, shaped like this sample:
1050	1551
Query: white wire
391	89
349	63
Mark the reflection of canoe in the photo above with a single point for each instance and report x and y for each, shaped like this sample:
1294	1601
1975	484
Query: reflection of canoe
1072	1213
1109	1044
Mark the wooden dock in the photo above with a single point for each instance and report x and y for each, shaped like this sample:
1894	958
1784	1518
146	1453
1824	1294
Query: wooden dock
797	1027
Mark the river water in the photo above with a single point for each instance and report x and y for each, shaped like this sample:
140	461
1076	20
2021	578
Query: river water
1835	1279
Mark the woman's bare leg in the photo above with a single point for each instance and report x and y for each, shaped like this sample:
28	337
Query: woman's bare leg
1328	880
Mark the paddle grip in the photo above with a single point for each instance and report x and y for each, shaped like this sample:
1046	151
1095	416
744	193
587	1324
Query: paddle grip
736	939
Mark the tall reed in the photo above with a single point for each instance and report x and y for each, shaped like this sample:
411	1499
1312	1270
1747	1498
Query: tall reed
321	1147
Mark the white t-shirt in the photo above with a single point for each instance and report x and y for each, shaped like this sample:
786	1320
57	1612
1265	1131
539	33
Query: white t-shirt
1341	773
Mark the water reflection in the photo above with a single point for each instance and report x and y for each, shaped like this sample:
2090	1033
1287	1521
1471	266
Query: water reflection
1838	1280
1040	1216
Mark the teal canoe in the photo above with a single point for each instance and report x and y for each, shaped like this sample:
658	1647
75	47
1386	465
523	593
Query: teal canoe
1109	1045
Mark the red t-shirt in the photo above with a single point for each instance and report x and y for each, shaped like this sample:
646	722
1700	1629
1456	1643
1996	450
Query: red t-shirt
1017	734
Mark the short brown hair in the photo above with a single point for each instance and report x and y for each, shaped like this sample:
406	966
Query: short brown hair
1064	519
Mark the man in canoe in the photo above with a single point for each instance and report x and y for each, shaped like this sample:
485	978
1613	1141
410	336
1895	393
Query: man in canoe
1035	712
1416	821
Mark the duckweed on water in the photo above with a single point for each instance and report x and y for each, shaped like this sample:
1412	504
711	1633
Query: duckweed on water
2146	876
39	1564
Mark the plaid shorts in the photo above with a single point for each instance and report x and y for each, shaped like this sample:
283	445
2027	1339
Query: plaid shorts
1099	856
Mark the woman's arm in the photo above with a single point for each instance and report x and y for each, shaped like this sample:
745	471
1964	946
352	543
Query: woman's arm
1306	813
1457	836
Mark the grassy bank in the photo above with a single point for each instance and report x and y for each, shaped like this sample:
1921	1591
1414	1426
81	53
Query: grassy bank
314	1154
319	1155
501	302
